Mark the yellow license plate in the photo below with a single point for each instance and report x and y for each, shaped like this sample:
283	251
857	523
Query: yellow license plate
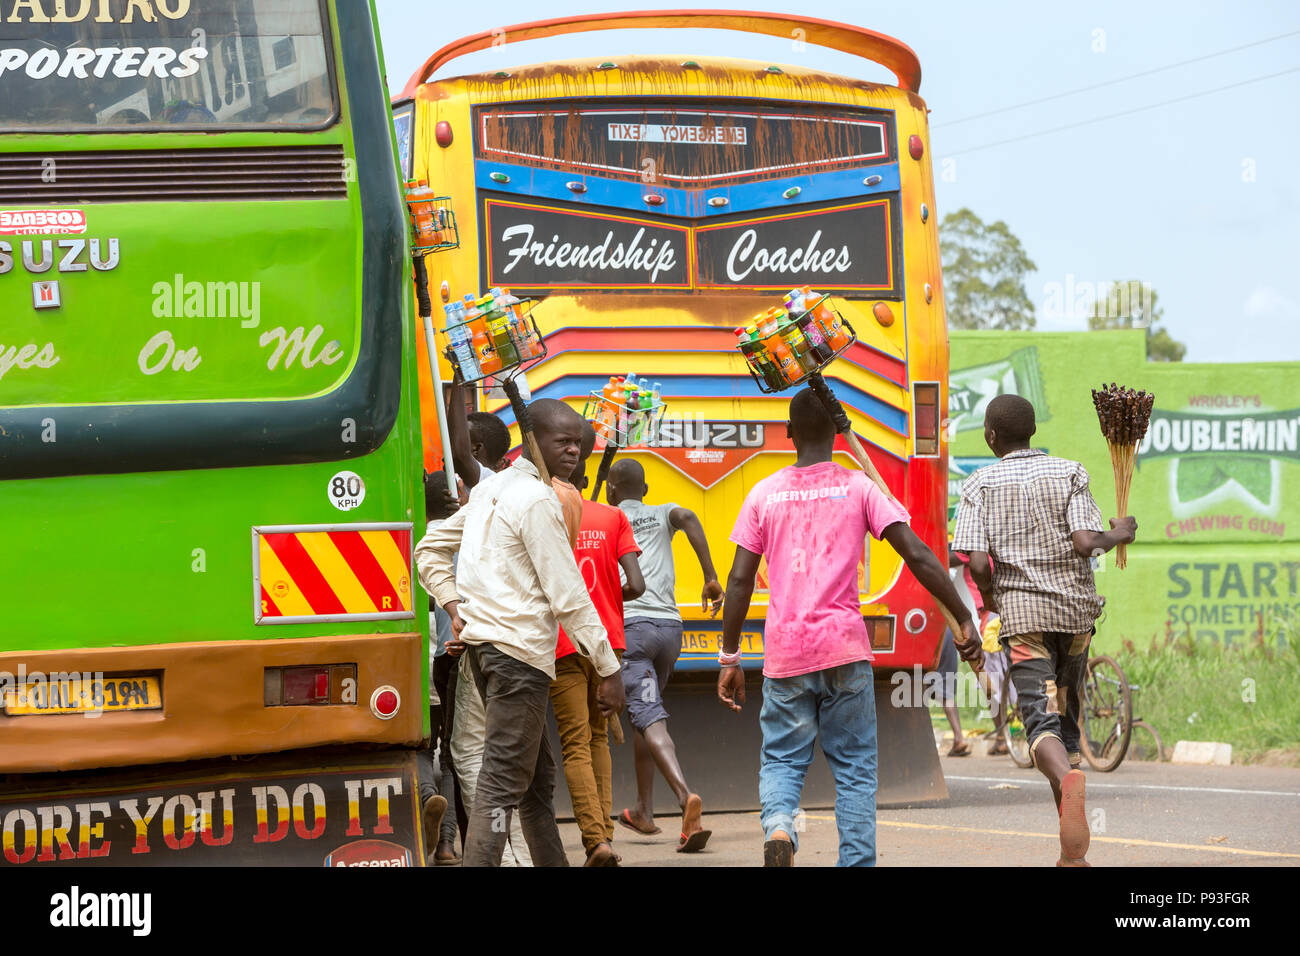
708	642
59	695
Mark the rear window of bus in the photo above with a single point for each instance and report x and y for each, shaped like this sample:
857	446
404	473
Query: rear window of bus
154	65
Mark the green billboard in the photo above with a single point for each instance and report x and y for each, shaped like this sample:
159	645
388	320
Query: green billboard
1217	487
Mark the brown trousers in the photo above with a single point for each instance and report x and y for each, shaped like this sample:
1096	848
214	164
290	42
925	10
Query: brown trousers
584	741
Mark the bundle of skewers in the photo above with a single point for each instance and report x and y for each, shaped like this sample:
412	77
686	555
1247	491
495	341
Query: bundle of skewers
1124	415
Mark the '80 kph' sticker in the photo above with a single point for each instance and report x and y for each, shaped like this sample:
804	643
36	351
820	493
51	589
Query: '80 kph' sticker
347	490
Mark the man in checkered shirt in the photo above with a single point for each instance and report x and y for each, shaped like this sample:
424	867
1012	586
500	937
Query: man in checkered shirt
1034	515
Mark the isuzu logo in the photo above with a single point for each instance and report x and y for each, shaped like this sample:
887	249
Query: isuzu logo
677	433
45	295
62	255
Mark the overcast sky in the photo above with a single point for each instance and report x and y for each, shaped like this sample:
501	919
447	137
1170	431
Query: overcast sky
1198	197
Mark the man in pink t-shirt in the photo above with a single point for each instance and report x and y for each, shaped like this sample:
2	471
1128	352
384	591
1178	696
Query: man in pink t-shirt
810	521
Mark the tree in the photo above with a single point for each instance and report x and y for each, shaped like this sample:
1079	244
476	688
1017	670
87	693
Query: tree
984	270
1131	304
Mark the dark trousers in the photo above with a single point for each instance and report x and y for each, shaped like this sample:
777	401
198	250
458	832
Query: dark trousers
518	769
445	669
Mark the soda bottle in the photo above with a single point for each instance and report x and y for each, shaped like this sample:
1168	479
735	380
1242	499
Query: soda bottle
647	430
789	368
832	329
798	345
794	302
606	417
500	332
748	349
771	374
820	350
420	204
484	351
632	403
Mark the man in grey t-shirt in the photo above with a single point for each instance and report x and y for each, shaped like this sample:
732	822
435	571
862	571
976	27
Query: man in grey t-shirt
653	630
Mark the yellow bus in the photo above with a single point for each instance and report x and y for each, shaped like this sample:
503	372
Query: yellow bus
653	204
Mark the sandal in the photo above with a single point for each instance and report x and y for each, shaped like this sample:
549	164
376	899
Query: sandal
697	840
625	819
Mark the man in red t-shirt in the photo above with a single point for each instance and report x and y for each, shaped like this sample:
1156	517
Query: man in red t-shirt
605	544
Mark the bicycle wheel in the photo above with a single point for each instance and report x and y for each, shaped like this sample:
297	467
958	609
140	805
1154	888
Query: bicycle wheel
1013	734
1146	746
1105	714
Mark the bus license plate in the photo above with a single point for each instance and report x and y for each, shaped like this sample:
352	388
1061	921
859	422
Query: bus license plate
35	697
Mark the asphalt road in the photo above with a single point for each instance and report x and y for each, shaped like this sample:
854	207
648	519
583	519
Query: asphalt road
1143	814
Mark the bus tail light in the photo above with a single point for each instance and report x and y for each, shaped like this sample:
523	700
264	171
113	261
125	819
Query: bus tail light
442	133
883	313
385	702
915	148
880	631
925	417
314	684
915	621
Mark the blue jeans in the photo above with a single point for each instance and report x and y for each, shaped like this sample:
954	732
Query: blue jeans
840	705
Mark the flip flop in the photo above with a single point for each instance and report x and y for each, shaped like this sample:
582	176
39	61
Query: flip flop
954	752
625	819
692	811
1075	833
695	842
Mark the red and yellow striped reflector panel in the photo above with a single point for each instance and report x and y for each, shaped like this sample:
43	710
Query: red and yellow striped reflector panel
333	574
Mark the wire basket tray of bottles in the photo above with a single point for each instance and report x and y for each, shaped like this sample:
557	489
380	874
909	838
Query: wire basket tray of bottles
432	218
786	344
625	412
492	335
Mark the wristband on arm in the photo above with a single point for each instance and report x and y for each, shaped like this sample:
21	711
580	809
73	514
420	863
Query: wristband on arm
729	660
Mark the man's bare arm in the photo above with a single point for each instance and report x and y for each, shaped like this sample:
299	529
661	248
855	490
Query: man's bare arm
462	452
1089	543
981	572
686	521
925	567
740	591
635	585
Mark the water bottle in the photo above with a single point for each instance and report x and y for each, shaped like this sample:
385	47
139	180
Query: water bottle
462	346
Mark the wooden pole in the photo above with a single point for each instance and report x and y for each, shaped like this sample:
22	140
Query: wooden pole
842	425
525	428
603	471
435	371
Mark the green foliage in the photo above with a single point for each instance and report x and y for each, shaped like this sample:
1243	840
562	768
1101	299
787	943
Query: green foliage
1131	304
1243	694
984	270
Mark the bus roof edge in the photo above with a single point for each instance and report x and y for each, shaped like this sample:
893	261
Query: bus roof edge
890	53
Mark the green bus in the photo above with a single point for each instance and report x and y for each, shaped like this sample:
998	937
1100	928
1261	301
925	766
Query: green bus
210	459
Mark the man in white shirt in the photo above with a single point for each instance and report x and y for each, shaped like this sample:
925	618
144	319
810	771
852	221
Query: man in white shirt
516	581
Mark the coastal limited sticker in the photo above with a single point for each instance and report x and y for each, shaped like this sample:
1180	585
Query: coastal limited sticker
42	222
